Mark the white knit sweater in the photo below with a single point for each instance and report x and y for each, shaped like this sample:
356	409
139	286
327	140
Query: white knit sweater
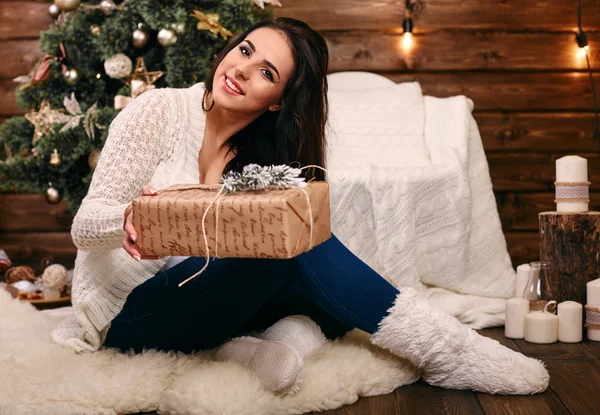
154	140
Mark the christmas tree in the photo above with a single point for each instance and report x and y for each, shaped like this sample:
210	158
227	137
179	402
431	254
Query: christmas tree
98	55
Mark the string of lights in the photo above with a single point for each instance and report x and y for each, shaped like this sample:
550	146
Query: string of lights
580	37
584	49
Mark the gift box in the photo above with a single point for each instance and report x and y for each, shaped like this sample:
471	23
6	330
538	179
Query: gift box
247	224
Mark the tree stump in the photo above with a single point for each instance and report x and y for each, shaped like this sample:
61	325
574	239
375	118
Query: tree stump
570	243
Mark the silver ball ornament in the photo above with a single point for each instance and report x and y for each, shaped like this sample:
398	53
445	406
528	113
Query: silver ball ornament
140	38
106	6
167	37
178	27
54	11
118	66
53	195
67	5
71	76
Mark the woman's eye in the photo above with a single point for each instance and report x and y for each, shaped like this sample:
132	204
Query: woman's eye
268	74
244	51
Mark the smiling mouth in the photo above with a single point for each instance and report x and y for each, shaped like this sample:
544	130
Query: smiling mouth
232	86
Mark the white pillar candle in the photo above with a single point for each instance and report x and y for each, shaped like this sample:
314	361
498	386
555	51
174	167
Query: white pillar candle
521	281
570	322
593	300
541	326
514	323
572	169
51	294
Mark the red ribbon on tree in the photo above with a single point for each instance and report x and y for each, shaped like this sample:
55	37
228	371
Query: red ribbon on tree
43	70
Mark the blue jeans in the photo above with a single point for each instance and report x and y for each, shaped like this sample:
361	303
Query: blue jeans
235	296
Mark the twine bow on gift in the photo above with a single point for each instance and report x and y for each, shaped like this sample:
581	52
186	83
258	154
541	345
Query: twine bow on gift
234	182
43	70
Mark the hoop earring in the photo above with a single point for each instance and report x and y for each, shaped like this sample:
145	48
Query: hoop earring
203	99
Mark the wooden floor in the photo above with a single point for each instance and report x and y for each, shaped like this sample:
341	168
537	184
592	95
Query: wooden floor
574	388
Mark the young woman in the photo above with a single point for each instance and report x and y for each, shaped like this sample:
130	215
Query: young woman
265	102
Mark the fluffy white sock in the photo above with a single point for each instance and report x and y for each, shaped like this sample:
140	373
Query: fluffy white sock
452	355
298	331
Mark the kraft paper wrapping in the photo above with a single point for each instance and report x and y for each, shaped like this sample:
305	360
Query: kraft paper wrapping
252	224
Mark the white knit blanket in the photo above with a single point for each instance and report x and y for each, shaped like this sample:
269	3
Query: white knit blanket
433	226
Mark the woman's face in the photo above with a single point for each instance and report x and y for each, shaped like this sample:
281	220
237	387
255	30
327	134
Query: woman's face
252	76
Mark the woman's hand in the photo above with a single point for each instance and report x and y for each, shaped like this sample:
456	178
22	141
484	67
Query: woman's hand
130	233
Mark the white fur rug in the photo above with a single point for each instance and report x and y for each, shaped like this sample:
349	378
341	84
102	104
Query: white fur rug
40	377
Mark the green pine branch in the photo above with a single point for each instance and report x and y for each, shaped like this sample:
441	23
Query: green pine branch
184	63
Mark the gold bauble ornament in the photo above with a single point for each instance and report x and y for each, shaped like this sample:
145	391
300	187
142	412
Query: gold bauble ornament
167	37
53	195
93	157
71	76
55	158
140	37
67	5
53	11
96	30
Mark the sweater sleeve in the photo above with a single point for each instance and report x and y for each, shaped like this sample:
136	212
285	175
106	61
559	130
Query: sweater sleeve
139	137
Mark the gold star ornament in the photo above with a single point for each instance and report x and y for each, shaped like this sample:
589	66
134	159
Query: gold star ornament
140	73
140	81
44	119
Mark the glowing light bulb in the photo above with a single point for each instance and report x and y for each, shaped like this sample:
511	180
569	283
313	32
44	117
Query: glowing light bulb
407	25
582	42
407	40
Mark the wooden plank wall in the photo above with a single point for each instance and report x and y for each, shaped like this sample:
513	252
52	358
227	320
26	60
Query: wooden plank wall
517	61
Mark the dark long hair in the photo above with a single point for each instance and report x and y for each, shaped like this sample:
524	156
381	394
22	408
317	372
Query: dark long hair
296	133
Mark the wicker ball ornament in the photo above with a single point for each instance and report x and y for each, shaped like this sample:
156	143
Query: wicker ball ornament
55	276
118	66
19	273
